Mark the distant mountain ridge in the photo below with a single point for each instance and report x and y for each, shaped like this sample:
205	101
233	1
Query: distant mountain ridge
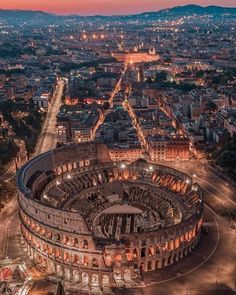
31	15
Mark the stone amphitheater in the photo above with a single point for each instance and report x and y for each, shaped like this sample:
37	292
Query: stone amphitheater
91	221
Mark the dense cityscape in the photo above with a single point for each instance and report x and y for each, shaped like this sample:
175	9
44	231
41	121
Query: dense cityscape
118	152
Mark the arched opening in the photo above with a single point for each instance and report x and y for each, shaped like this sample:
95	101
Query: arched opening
58	237
94	280
143	252
66	257
76	276
108	259
163	263
95	262
171	245
65	240
176	257
117	257
59	270
50	250
151	251
176	243
67	273
165	247
85	261
117	275
85	278
149	266
127	275
85	244
76	259
129	254
135	253
186	236
158	249
105	281
76	242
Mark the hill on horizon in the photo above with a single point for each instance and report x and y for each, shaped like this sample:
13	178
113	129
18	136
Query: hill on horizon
17	15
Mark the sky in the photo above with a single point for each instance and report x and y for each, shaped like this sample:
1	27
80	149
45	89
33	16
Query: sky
105	7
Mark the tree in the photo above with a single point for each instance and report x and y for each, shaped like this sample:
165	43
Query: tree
106	105
161	76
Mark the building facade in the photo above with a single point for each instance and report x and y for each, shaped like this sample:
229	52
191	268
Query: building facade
90	220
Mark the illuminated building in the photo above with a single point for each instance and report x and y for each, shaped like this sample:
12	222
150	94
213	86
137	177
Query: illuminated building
169	148
133	57
90	220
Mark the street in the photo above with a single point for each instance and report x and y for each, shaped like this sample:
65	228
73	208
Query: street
46	142
47	138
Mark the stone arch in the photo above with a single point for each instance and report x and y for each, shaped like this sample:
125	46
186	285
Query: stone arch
57	237
185	251
176	257
166	261
85	278
127	274
169	261
65	240
177	242
171	245
143	252
70	166
158	249
108	259
85	261
85	244
189	248
117	275
117	257
59	269
151	251
66	256
95	262
95	280
163	263
129	254
75	275
67	273
105	281
76	259
149	265
50	250
56	253
135	253
76	242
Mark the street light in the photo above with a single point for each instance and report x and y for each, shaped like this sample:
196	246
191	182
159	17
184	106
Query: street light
122	166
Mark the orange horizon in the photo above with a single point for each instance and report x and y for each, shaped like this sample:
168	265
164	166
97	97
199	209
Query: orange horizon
104	7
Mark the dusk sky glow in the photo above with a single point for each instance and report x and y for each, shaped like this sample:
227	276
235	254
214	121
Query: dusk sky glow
106	7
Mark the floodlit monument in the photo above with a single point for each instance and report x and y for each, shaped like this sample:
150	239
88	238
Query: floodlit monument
90	220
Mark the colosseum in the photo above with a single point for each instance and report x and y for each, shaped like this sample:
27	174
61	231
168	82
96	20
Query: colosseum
89	220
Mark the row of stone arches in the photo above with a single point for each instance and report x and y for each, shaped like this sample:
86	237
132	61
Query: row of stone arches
57	237
59	254
151	265
71	166
73	274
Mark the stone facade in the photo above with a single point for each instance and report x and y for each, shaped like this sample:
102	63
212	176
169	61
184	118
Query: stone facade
93	221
